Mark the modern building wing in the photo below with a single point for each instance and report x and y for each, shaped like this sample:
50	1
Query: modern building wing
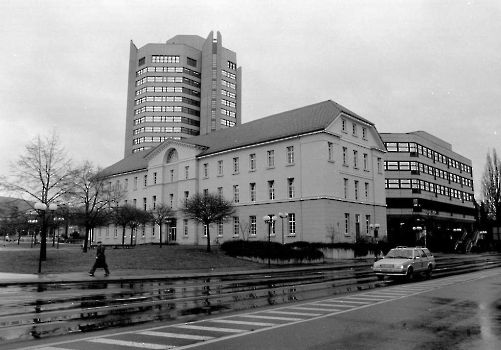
185	87
321	166
429	191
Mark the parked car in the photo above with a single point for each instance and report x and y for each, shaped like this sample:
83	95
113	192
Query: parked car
405	262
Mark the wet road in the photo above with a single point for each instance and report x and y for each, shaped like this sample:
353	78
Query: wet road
457	312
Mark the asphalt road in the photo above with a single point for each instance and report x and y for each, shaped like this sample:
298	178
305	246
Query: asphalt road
457	312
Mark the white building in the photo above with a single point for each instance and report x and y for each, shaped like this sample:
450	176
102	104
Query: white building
322	164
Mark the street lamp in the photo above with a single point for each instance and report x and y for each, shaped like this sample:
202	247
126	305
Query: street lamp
42	208
283	216
270	220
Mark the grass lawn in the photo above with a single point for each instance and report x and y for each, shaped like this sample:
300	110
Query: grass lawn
21	258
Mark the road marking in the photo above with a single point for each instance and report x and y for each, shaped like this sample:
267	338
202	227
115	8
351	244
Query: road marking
131	343
364	297
315	308
244	322
355	302
336	304
272	317
212	329
177	335
293	313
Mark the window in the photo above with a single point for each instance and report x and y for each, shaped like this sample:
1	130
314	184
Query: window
355	159
154	178
154	200
145	180
220	228
185	227
171	175
364	133
272	225
290	187
329	151
206	170
252	162
186	172
292	223
205	192
354	128
220	191
220	167
271	190
153	230
345	188
345	156
236	226
191	62
290	155
142	61
253	192
366	191
379	165
253	222
171	199
343	128
236	194
236	167
271	159
367	223
135	183
144	204
366	162
126	184
186	194
347	223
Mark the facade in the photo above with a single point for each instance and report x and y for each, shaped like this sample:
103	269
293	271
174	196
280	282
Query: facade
322	164
429	191
185	87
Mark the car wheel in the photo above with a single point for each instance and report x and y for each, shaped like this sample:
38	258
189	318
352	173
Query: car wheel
429	272
410	274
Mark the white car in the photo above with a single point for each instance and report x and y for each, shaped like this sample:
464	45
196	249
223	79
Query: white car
405	262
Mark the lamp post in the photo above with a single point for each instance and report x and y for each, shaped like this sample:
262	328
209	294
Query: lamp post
42	208
269	219
283	216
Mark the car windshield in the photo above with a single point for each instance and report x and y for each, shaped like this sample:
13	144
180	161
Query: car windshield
400	254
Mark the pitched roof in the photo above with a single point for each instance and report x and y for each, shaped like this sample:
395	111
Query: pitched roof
132	162
295	122
298	121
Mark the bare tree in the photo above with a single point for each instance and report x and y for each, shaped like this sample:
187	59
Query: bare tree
42	174
160	215
129	216
92	196
244	228
491	186
207	208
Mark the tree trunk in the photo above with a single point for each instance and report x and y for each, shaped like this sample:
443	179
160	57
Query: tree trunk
123	237
208	239
86	240
160	233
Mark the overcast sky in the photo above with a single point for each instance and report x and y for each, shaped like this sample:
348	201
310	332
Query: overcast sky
431	65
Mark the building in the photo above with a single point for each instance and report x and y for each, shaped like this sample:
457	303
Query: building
429	191
322	164
185	87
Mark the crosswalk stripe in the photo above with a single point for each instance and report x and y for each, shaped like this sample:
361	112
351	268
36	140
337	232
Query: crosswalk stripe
213	329
131	343
177	335
293	313
333	304
273	317
315	308
263	324
355	302
363	297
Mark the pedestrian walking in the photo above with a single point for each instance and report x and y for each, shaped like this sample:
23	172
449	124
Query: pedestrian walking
100	260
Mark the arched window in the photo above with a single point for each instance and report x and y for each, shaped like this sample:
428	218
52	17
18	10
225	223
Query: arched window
171	156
